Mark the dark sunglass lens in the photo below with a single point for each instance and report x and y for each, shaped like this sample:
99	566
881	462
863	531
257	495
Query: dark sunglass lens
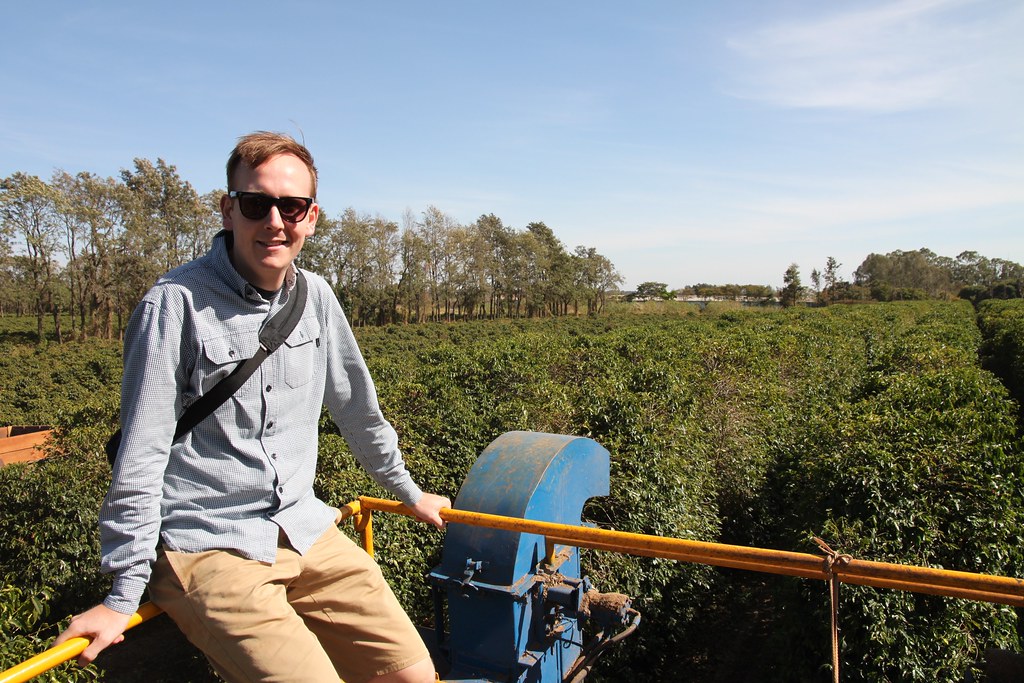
254	206
292	208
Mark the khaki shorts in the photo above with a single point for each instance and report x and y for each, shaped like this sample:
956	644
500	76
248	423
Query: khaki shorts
321	616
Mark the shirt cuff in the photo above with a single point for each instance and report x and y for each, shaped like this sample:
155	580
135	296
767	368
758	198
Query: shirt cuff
125	596
409	494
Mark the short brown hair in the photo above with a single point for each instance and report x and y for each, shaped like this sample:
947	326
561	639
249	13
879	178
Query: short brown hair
256	148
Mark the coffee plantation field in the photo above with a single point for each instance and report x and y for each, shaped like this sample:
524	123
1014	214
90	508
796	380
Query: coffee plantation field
890	430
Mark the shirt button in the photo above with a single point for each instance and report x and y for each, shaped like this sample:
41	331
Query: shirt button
280	489
273	456
269	425
269	387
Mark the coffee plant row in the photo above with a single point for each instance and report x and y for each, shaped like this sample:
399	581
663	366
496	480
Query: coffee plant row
884	429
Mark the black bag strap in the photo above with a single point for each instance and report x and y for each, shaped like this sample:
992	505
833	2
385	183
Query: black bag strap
273	334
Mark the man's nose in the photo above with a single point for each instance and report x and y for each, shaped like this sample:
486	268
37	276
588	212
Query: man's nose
274	219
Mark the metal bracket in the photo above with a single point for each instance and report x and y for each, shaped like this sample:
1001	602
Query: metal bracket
466	582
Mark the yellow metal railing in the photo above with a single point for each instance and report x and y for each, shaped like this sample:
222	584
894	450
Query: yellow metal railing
955	584
67	650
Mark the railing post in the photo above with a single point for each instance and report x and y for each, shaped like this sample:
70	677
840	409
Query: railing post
364	526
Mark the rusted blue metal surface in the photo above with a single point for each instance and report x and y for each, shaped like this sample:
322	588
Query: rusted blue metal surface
509	619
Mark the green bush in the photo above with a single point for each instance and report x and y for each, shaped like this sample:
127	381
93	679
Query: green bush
39	382
49	543
1002	326
873	426
919	465
48	528
22	622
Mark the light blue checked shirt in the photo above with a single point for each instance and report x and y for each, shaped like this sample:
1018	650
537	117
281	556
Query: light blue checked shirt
246	472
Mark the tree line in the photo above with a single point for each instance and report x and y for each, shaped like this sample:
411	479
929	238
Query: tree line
896	276
433	268
82	250
908	276
758	294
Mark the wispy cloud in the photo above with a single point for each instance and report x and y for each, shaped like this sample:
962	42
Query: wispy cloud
887	57
816	210
886	206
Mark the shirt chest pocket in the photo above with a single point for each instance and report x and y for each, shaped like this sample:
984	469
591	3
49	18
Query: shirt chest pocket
301	351
221	355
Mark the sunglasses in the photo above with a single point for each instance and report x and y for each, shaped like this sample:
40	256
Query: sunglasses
256	205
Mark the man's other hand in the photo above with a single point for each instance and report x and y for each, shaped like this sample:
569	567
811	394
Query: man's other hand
101	624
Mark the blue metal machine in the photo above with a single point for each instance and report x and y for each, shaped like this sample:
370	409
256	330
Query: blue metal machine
511	616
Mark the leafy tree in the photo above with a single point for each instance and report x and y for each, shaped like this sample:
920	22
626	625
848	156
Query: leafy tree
379	247
90	210
761	293
210	223
434	232
792	290
27	209
904	275
971	269
166	224
321	251
595	277
75	232
554	287
8	277
412	282
119	236
474	270
354	249
493	236
646	291
816	281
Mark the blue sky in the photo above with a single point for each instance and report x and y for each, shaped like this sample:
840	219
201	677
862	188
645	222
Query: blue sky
688	142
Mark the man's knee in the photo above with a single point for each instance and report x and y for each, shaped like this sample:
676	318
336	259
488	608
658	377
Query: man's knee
420	672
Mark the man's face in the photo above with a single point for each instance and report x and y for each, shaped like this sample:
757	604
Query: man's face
264	249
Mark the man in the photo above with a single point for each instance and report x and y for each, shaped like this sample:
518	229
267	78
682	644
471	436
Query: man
222	524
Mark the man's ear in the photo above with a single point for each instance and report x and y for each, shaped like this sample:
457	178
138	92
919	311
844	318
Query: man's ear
226	206
313	217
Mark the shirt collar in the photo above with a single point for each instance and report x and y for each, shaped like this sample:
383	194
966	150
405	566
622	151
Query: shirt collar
224	268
